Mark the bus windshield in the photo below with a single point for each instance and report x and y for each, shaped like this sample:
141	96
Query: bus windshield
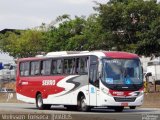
122	71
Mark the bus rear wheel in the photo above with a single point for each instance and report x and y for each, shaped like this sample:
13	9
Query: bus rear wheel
39	103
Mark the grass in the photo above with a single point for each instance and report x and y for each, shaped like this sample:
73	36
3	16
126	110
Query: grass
151	100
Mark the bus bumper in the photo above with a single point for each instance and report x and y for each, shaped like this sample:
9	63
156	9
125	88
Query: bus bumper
122	101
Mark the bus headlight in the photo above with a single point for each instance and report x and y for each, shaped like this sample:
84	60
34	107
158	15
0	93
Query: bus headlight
136	93
105	91
141	93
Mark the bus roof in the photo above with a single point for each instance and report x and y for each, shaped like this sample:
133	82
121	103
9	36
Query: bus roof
100	54
117	54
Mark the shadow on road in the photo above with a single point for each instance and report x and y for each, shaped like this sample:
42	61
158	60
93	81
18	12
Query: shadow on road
98	110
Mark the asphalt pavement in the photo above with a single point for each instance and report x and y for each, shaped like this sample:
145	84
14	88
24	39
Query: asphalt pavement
60	113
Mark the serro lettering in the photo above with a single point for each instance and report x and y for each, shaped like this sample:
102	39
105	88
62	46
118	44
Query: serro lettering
48	82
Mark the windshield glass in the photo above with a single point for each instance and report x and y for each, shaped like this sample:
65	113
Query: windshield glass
122	71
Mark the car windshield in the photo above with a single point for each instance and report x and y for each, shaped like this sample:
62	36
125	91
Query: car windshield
122	71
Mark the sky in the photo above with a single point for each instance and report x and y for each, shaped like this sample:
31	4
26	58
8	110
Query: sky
24	14
5	58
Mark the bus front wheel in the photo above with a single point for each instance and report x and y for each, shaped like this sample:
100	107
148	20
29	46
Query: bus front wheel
83	105
39	103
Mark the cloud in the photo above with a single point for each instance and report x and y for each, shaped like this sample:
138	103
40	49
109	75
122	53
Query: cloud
27	13
20	22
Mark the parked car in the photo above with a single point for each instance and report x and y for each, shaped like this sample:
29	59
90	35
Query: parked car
8	72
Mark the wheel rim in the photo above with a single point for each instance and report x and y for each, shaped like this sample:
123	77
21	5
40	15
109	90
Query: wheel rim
83	104
39	102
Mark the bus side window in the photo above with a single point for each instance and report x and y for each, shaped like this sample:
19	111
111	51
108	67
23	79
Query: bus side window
93	79
84	65
54	67
24	69
59	67
93	71
35	65
26	73
73	66
69	66
46	67
77	66
21	69
65	65
32	68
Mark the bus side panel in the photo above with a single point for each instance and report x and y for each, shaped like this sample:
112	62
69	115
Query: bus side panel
28	87
73	85
22	87
46	85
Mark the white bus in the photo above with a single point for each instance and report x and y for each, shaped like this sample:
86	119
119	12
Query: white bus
81	80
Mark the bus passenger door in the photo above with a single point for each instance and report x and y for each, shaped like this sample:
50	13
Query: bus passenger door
93	84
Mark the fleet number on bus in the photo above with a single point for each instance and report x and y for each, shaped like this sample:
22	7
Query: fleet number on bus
48	82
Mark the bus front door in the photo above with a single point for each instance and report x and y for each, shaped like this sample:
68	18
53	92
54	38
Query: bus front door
93	85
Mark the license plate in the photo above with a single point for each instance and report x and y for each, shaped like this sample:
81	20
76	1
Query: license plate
124	104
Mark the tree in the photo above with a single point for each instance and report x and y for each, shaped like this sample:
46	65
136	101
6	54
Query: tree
26	44
66	35
130	22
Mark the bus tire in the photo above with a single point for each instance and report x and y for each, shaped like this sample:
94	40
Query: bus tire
83	105
39	103
118	108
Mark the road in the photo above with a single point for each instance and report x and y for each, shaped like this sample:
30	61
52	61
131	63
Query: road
60	113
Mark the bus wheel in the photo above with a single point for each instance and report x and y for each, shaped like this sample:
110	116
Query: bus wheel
83	105
39	103
132	107
119	109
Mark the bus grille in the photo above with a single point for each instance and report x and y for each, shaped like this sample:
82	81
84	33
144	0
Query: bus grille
120	99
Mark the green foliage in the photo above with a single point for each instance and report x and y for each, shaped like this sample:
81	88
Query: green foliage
27	43
123	25
133	22
68	33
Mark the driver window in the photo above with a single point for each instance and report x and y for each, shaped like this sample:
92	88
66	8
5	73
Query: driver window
93	73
